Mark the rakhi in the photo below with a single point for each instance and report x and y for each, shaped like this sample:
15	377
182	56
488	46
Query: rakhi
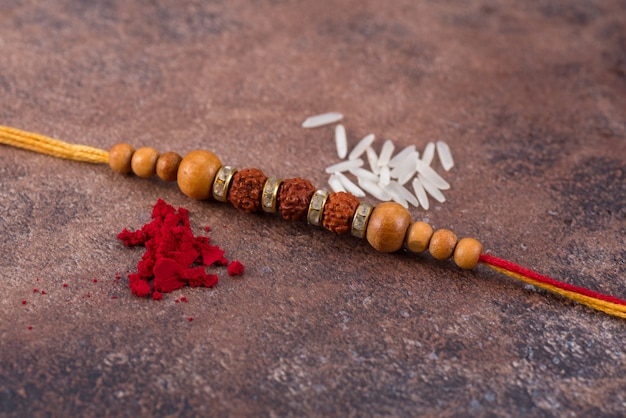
387	227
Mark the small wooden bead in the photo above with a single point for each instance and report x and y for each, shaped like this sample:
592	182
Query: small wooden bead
196	173
418	237
144	162
387	227
167	166
467	253
442	244
120	156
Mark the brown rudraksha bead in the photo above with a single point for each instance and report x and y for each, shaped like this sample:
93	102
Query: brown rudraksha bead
246	190
294	197
339	211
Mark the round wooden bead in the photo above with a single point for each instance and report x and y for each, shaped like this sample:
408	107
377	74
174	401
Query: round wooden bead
144	162
467	253
387	227
119	158
167	166
418	237
196	173
442	244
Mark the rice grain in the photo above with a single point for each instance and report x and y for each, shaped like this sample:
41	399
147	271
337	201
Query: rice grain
420	193
321	120
431	188
341	141
445	156
344	166
360	148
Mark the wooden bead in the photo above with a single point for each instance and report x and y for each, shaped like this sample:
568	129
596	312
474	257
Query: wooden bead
167	166
119	158
387	227
196	173
442	244
467	253
144	162
418	237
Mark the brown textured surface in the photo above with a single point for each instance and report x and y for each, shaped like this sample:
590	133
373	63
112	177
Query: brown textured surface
529	95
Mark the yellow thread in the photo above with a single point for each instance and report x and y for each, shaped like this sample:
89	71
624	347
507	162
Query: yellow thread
610	308
46	145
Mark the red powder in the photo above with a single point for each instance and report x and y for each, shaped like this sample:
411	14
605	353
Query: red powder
183	299
35	290
43	292
30	327
64	284
190	319
24	302
171	252
95	280
235	268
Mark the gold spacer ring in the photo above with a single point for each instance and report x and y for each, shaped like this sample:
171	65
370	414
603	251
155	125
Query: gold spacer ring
222	182
270	193
361	218
316	207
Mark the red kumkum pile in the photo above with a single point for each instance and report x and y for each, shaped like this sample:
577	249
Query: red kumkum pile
173	254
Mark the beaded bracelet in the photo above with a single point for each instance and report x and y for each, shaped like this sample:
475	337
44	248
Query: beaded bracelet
387	227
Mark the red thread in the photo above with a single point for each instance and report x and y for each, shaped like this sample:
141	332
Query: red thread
507	265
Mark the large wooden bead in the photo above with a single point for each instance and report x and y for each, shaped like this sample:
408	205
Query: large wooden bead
167	166
144	162
196	174
120	156
418	237
387	227
442	244
467	253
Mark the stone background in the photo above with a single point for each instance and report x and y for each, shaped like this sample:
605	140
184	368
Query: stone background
531	97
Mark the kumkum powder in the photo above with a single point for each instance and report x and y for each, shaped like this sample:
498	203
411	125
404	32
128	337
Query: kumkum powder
174	257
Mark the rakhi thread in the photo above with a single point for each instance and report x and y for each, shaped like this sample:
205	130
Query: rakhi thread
387	227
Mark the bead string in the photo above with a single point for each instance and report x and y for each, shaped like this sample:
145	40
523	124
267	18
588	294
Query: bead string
387	227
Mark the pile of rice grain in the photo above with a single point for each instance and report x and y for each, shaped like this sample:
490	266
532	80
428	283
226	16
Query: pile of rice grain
388	174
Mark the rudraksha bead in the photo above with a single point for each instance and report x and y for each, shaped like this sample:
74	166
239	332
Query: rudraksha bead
339	211
246	190
294	196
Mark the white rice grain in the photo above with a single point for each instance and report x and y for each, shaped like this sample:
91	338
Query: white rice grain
372	159
350	186
432	176
375	190
399	157
361	173
429	153
402	192
360	148
341	141
321	120
344	166
431	188
406	165
335	184
385	153
385	175
420	193
445	156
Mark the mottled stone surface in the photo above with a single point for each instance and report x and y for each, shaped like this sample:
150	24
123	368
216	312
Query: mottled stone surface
530	97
